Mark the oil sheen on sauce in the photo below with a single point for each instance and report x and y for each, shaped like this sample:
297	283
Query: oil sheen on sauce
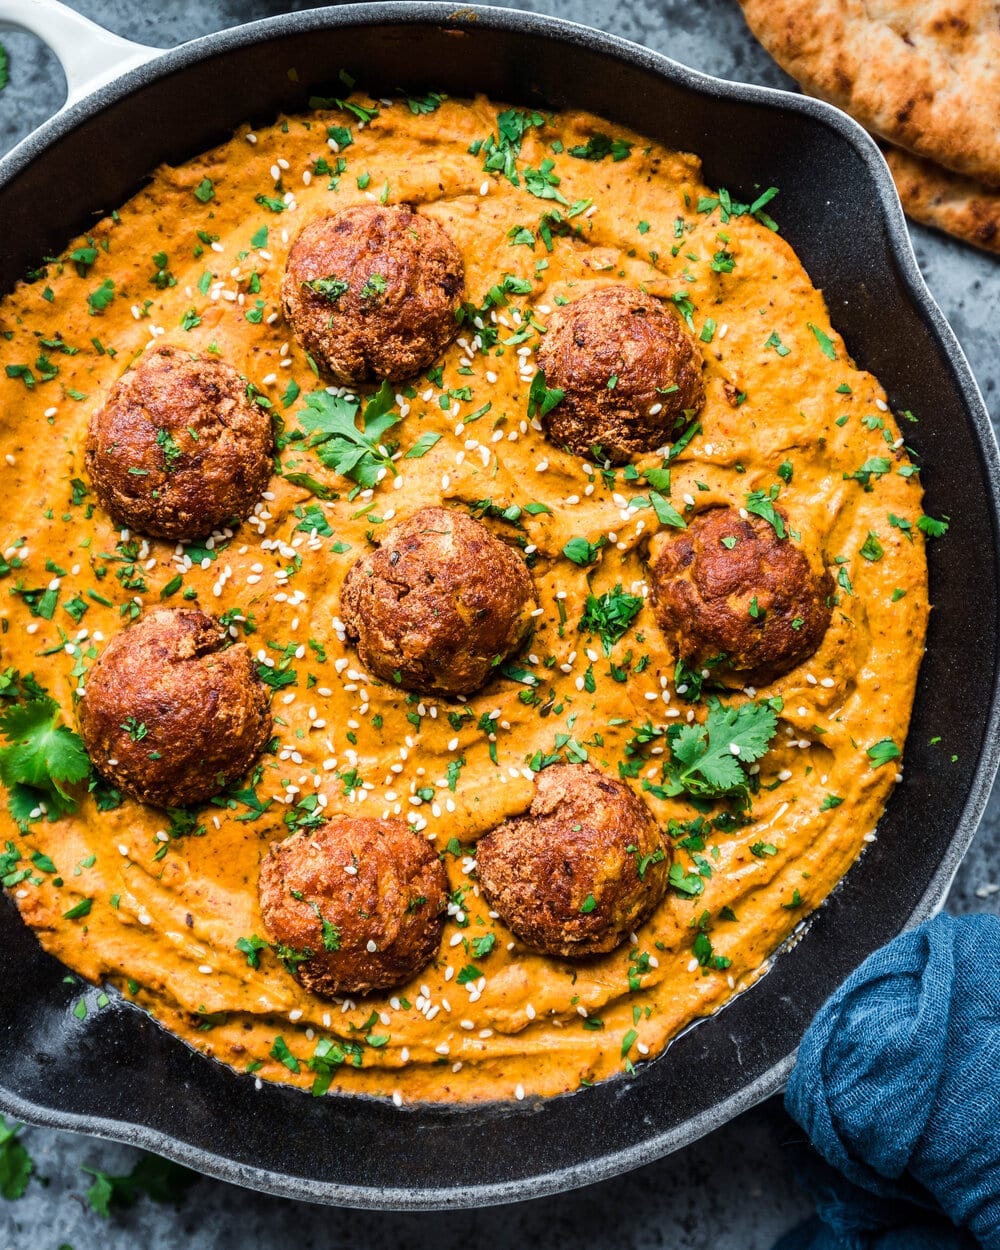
195	260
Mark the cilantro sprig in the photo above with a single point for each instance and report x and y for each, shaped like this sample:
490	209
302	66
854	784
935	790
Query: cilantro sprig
159	1179
43	758
16	1165
709	760
331	422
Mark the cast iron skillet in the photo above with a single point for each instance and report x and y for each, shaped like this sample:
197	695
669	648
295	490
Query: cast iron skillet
116	1073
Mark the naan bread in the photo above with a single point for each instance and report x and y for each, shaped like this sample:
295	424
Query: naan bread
924	74
951	202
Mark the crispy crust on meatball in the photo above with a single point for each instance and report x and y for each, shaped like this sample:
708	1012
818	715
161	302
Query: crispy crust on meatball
580	870
373	291
439	604
760	601
365	898
170	714
614	352
177	449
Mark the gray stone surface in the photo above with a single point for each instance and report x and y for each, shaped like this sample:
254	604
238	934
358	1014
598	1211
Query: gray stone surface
731	1191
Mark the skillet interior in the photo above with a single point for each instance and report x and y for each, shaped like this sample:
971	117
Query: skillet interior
118	1074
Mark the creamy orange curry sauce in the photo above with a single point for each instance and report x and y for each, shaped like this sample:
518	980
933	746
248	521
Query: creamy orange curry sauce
164	906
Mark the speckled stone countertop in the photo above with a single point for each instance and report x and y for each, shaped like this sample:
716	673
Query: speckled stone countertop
731	1191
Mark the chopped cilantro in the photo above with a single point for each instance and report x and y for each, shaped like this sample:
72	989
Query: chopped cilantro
761	504
872	549
422	446
825	342
330	288
609	615
582	552
542	399
99	300
598	146
251	947
931	527
882	752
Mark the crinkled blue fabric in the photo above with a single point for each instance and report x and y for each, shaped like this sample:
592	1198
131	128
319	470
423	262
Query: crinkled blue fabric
897	1084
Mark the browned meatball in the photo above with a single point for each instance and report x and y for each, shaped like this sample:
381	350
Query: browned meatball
373	291
630	375
730	587
439	605
170	714
177	449
355	905
580	870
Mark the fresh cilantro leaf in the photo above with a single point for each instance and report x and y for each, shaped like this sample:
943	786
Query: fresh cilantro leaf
876	466
872	549
732	208
825	342
269	201
665	511
542	399
331	289
313	521
502	149
283	1055
16	1165
340	445
882	752
251	947
708	760
582	552
598	146
931	527
160	1179
690	884
99	300
761	504
422	446
42	759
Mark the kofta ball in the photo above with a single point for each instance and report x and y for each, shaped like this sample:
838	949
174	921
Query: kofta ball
355	905
177	449
729	592
373	291
580	870
171	714
630	375
439	605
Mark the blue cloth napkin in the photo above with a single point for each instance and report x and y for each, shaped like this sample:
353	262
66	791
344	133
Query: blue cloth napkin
897	1084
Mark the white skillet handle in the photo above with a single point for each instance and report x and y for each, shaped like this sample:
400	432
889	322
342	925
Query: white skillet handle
89	54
